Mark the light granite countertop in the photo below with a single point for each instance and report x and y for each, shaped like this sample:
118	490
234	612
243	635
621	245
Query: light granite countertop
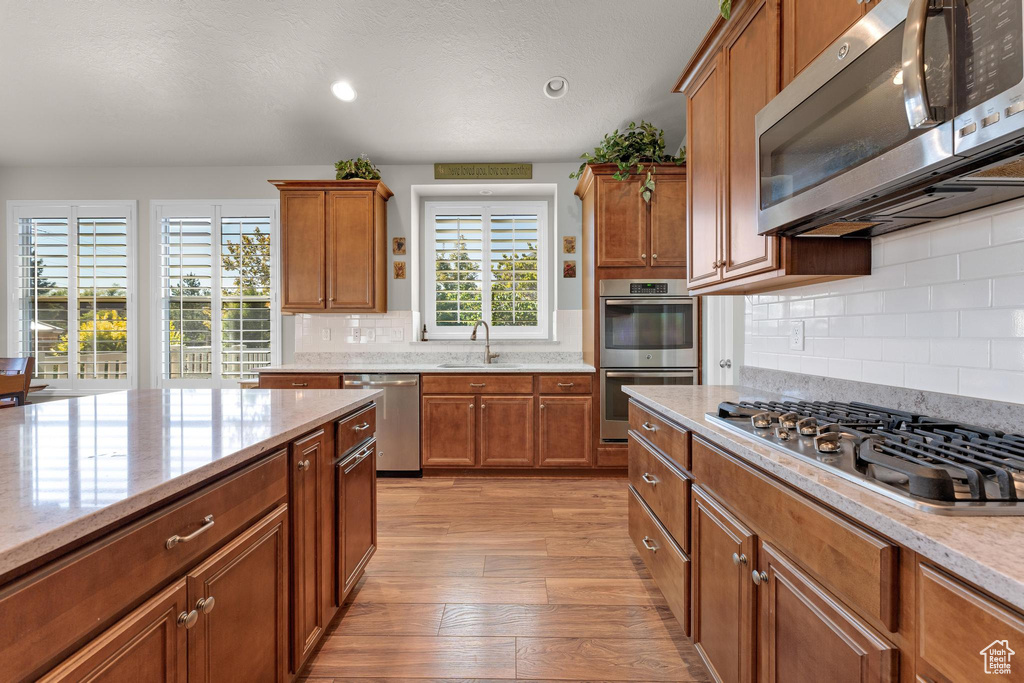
988	551
70	468
427	367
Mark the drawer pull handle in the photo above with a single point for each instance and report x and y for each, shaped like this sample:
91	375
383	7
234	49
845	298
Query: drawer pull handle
739	559
758	577
176	539
300	384
567	385
478	384
649	427
188	619
650	478
355	463
362	428
650	545
205	605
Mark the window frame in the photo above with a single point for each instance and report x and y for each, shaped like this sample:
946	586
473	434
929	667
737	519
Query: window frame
72	210
216	210
545	306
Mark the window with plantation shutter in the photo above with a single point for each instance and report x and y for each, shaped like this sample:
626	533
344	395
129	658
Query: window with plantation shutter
487	262
73	279
217	274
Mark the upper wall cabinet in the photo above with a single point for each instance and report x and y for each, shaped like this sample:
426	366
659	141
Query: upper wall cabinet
629	232
810	26
733	75
334	237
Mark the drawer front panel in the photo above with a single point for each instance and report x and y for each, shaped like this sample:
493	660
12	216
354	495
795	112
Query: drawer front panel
300	381
99	582
671	440
669	567
858	566
355	429
956	653
477	384
664	488
565	384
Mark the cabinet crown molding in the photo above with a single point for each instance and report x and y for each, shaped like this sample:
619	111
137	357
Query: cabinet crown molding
593	170
377	186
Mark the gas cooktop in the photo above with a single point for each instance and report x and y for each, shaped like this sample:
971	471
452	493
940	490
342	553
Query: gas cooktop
931	464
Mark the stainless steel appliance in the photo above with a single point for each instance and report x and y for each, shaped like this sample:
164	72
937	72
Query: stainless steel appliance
615	403
913	115
647	324
934	465
398	419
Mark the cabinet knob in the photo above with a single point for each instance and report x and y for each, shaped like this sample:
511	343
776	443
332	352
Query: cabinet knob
542	406
643	255
725	363
303	465
739	559
654	256
758	577
188	619
205	605
321	299
482	406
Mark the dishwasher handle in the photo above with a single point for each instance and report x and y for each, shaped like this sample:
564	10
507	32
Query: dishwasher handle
382	385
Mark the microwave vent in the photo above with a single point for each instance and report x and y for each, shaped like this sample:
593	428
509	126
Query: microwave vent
838	229
1012	170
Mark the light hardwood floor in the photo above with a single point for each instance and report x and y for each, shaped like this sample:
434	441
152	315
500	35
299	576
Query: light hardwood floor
496	579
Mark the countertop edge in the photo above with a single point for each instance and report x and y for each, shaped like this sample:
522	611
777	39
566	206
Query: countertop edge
432	369
1004	587
52	541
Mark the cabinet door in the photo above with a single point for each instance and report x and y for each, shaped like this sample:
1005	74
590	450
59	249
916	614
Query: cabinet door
751	62
506	431
240	634
566	438
806	635
448	431
621	222
723	590
809	26
308	458
350	254
147	645
668	221
303	253
357	507
704	174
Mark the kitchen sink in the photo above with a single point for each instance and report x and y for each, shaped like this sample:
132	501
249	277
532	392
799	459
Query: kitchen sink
481	366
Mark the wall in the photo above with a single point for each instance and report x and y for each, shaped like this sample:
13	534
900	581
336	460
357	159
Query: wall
943	311
244	182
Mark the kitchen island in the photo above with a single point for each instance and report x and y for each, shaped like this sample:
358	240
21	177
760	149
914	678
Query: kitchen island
130	516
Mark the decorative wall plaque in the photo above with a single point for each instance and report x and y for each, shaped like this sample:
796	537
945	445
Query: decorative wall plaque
483	171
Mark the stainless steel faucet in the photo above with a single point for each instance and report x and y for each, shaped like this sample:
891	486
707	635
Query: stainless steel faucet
488	356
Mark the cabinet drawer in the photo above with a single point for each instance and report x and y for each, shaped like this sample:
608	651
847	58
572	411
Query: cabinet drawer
477	384
858	566
664	487
673	441
565	384
669	567
300	381
355	429
102	581
956	653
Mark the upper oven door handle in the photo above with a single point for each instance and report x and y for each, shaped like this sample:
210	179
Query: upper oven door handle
920	113
668	300
645	373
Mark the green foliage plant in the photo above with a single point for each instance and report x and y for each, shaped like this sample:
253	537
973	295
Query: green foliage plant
637	149
360	167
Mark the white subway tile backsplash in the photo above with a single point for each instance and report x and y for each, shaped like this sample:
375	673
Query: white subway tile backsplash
997	385
832	305
905	350
957	295
845	369
1008	227
1005	259
903	249
865	348
886	325
1008	354
930	271
881	372
996	322
1008	291
868	302
933	324
846	326
955	353
960	237
906	300
931	378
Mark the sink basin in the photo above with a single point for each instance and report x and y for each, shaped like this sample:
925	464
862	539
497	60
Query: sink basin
479	366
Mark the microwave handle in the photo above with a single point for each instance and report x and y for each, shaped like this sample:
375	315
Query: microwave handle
920	113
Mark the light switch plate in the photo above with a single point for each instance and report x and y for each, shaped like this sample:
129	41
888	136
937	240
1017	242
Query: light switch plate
796	335
368	334
325	334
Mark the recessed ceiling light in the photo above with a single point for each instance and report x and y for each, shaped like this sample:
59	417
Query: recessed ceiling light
556	87
343	90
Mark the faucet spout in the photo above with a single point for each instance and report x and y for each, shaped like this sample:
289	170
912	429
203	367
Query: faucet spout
488	356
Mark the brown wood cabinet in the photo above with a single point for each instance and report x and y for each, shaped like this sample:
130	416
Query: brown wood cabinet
506	431
334	245
810	26
724	555
280	380
733	75
240	595
311	524
448	431
629	232
357	515
565	431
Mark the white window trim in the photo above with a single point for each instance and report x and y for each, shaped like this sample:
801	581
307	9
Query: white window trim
486	209
240	208
17	209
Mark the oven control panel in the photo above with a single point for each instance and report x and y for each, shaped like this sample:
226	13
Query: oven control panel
648	288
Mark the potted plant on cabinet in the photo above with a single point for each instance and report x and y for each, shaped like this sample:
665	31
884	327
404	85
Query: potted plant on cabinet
361	167
637	149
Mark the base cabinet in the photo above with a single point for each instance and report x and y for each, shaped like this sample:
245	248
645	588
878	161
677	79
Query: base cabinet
565	431
448	433
357	515
506	431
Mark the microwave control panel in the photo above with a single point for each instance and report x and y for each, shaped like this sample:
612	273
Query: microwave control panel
648	288
991	50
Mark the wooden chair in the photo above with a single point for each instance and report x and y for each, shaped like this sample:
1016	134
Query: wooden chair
15	377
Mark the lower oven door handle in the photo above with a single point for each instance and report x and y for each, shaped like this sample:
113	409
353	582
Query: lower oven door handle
689	373
667	301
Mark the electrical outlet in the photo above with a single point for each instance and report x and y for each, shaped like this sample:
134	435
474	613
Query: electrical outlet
325	334
397	334
353	335
796	335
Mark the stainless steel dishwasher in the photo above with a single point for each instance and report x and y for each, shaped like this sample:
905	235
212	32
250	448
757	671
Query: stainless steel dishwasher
398	420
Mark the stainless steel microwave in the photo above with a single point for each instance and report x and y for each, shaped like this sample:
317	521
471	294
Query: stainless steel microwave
647	324
915	114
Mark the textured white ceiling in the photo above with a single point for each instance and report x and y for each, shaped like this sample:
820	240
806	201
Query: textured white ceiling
247	82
